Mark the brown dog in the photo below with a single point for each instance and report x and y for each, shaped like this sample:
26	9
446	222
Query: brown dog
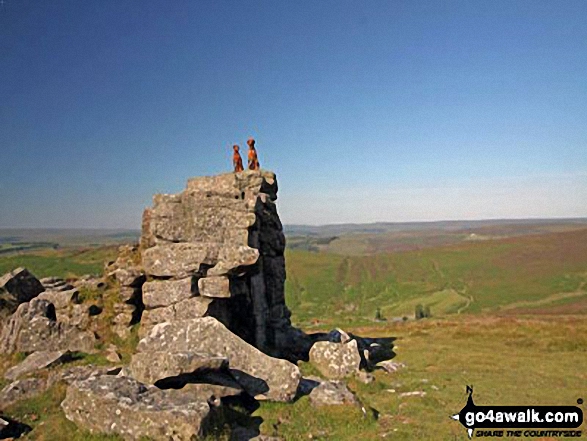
237	161
253	160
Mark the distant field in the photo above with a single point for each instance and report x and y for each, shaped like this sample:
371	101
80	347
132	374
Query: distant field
386	238
65	237
470	277
64	263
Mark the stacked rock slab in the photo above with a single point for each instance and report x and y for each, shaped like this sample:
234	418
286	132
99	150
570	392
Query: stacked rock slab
216	249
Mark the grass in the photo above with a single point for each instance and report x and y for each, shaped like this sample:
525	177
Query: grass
534	361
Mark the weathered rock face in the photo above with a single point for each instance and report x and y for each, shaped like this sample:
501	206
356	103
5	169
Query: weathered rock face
222	239
123	406
16	287
257	372
34	327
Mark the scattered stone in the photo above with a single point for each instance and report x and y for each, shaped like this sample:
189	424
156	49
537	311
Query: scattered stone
332	392
123	406
112	354
335	360
417	393
390	366
258	373
149	367
34	362
21	390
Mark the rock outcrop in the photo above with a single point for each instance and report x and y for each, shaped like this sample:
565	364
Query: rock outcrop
206	284
219	240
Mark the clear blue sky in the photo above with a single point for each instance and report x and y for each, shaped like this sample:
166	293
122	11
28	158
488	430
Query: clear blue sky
367	110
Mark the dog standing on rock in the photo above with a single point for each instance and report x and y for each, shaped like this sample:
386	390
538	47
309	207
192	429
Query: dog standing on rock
253	160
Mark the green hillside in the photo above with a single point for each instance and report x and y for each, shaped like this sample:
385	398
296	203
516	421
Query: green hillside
468	278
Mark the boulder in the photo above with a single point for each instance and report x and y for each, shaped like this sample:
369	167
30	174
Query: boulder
335	360
33	327
21	390
34	362
149	367
123	406
258	373
167	292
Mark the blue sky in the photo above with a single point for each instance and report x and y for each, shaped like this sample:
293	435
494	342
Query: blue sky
367	111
